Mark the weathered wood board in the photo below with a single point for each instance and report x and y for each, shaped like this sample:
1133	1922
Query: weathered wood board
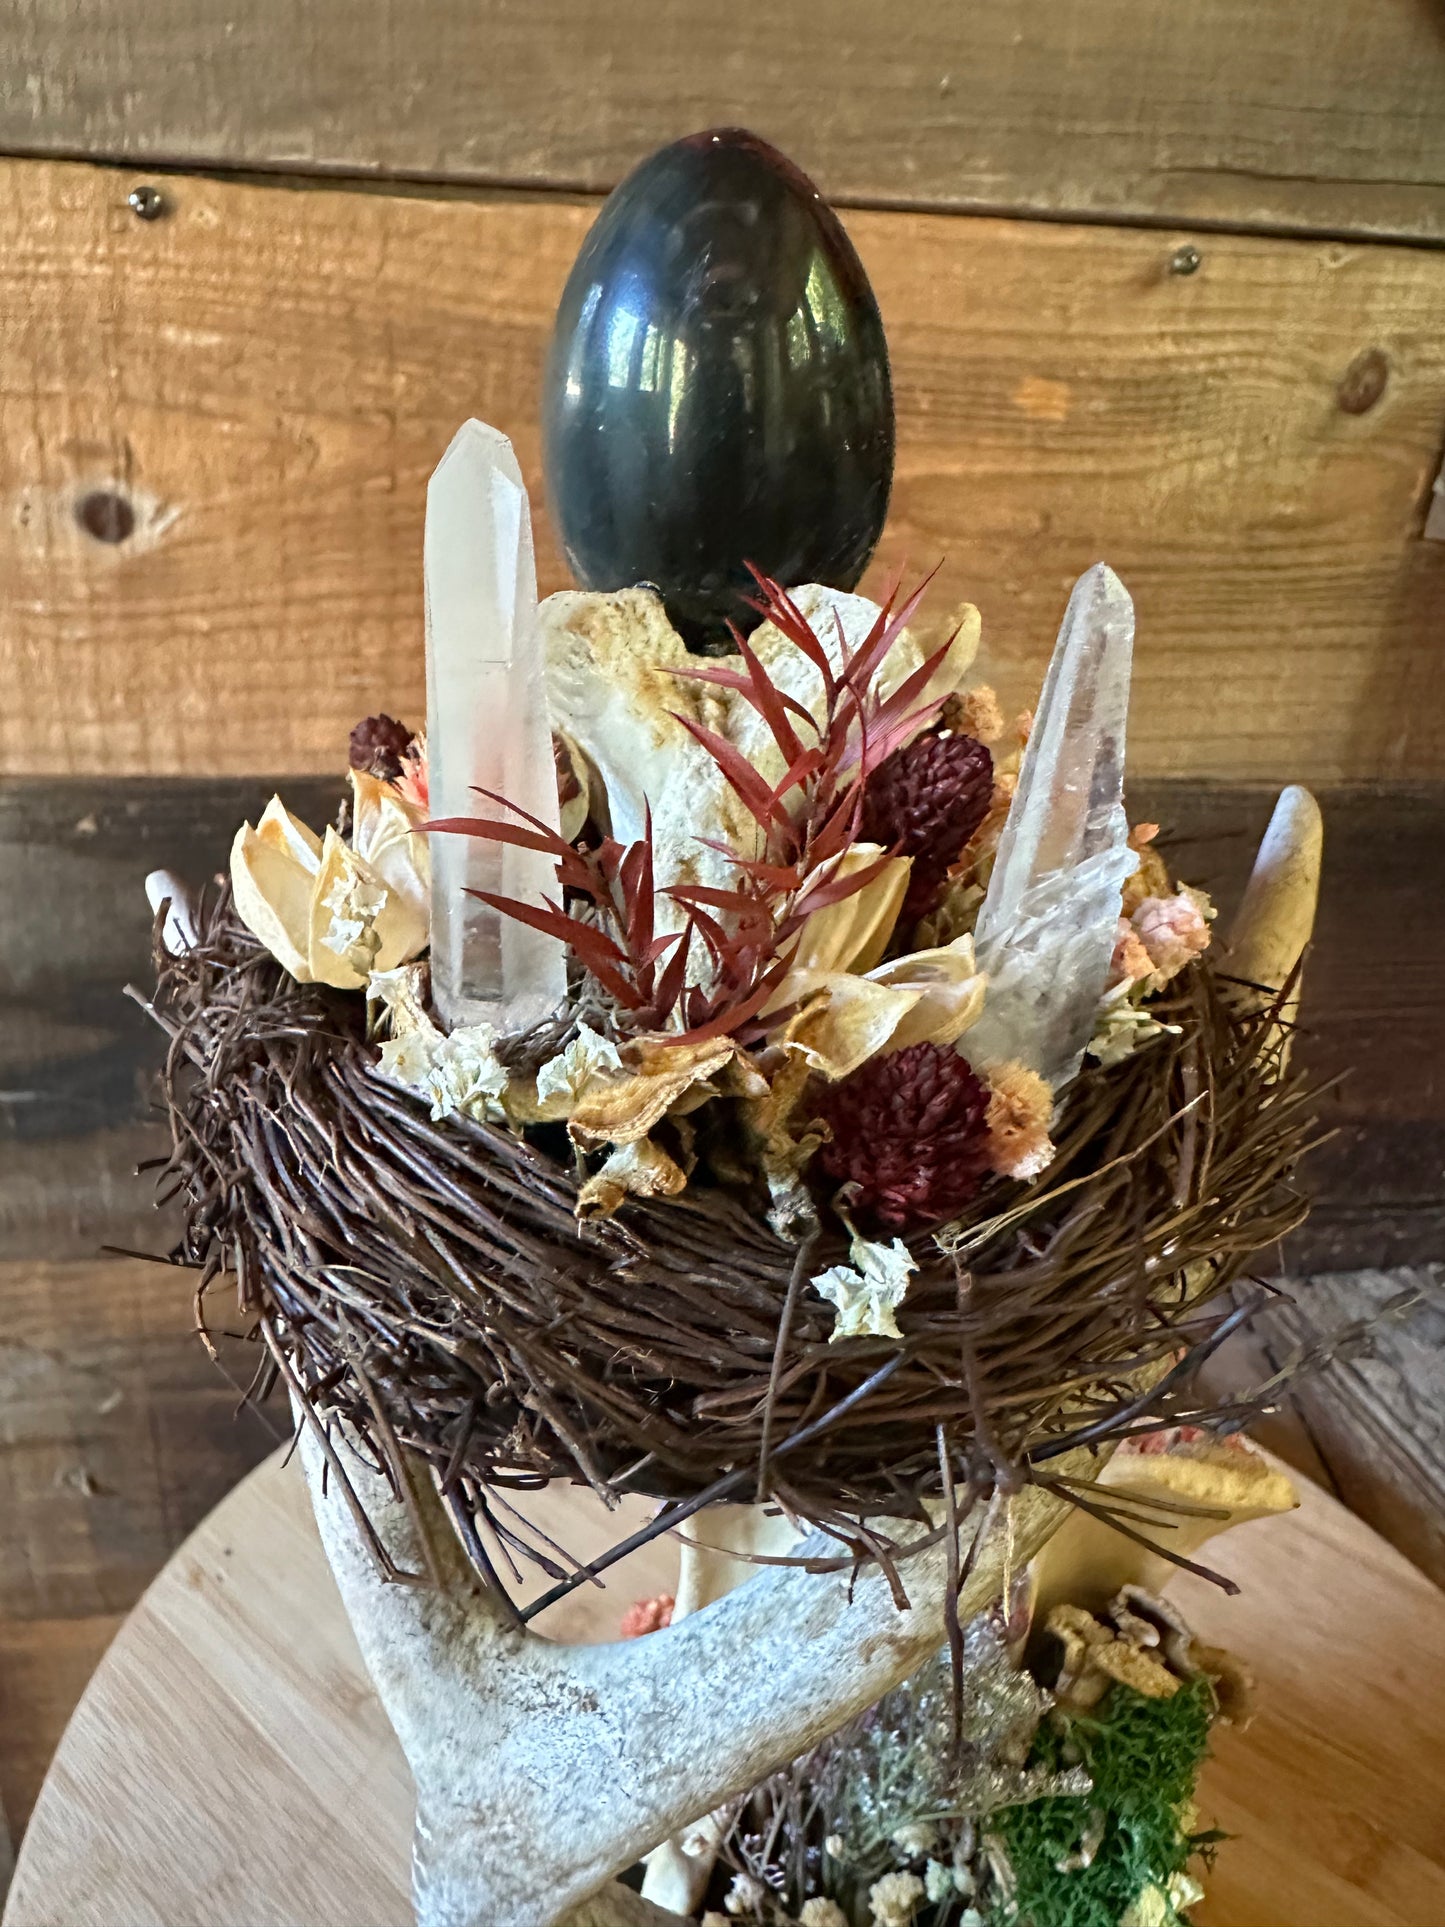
117	1434
229	1764
1319	116
251	391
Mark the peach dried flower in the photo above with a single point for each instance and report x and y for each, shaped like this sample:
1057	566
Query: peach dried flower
1020	1110
1174	930
647	1616
980	715
1131	961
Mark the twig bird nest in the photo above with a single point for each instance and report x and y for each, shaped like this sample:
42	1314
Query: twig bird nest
432	1284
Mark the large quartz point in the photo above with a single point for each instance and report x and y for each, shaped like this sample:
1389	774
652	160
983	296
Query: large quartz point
1046	932
487	729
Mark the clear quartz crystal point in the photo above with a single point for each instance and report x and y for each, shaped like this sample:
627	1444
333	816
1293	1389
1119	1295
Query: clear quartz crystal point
487	728
1046	931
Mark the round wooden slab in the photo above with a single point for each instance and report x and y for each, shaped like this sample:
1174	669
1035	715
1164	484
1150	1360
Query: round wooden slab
230	1767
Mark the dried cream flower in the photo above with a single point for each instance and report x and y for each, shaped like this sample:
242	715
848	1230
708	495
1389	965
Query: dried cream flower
894	1899
1122	1025
853	933
323	909
822	1913
926	997
386	836
1020	1110
866	1293
590	1060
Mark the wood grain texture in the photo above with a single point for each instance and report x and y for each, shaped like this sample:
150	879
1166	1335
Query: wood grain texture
45	1666
1376	1417
1320	117
266	376
77	1058
261	1784
117	1435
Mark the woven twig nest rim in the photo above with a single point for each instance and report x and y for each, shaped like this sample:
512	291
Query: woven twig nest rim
428	1282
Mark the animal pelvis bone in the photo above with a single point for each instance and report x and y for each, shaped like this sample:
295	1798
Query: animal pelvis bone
542	1771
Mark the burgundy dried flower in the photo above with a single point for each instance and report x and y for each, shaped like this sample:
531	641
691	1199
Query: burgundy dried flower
910	1130
926	801
378	745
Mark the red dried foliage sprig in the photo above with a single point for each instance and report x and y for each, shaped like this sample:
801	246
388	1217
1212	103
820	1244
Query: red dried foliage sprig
805	823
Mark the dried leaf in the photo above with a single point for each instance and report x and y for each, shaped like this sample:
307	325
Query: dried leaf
625	1111
638	1170
853	933
951	992
845	1020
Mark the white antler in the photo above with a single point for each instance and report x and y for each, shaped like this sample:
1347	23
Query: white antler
1277	916
542	1770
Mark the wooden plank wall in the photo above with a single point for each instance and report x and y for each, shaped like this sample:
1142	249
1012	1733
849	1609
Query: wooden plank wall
1253	113
258	383
215	428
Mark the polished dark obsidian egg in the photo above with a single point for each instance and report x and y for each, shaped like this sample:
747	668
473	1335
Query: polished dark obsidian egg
717	391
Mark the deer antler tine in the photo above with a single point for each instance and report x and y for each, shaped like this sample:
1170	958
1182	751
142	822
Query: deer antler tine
1278	912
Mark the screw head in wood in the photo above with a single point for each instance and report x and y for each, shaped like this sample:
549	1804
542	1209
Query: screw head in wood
147	203
1185	260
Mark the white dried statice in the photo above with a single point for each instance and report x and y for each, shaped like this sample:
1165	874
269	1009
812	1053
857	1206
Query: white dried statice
466	1075
460	1075
915	1837
894	1899
745	1896
938	1881
588	1061
866	1293
822	1913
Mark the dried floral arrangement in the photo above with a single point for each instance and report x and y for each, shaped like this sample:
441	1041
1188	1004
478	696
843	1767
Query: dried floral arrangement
891	1129
1045	1773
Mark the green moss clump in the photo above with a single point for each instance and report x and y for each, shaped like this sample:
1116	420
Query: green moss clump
1143	1756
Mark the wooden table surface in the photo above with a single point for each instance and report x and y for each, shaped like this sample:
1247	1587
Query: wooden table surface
230	1764
117	1434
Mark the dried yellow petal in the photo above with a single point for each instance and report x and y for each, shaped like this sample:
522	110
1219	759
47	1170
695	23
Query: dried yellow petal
639	1170
623	1112
272	894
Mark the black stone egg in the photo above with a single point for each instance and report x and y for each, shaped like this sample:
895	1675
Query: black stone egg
717	391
